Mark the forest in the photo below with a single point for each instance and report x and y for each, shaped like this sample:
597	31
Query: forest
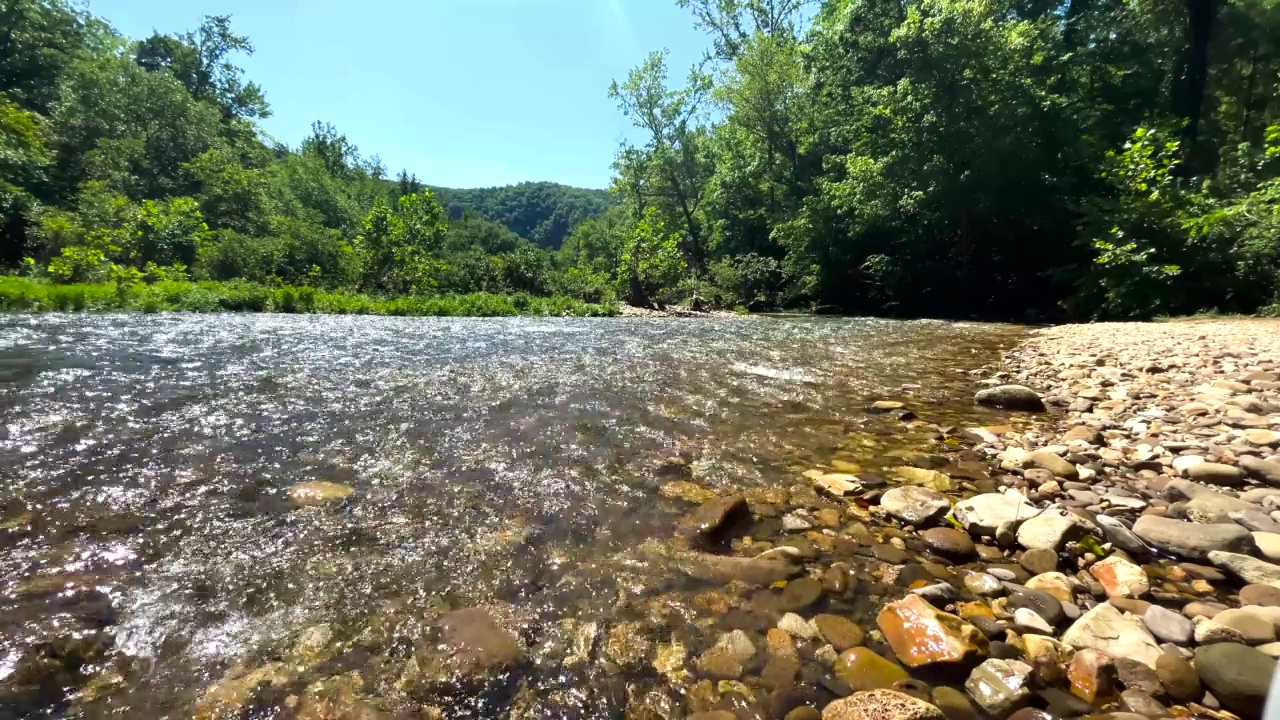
1033	160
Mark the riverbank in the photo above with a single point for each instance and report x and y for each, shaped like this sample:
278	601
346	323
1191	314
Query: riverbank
1112	547
26	295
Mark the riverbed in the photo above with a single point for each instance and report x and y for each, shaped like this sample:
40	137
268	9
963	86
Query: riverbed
510	464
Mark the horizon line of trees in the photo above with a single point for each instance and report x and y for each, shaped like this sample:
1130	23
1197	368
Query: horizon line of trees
1025	159
1014	159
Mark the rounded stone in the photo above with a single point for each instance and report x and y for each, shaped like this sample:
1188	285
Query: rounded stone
1237	675
1262	595
949	542
1177	677
881	705
861	669
841	632
1039	561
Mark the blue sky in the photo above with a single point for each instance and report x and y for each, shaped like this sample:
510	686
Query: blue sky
464	93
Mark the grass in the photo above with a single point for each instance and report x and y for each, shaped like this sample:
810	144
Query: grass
26	295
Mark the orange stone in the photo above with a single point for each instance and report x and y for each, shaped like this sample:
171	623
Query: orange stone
1091	674
921	634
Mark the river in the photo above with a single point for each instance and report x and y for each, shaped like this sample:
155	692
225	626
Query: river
150	545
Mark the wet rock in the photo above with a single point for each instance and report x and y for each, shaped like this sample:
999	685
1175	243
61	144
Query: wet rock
1253	627
842	633
1215	508
718	663
1000	686
1120	578
799	594
881	705
796	626
764	569
228	697
1237	675
1047	657
862	669
1030	714
1141	703
1105	629
1216	474
1011	397
838	484
920	634
1037	601
1177	677
1168	626
913	505
1040	561
1053	529
1055	464
929	479
625	645
954	704
984	514
938	593
1092	675
1055	584
318	492
715	520
1192	540
687	491
475	644
949	543
1263	595
983	585
1136	676
1248	569
885	552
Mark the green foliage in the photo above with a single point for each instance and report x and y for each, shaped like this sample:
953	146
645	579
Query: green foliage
543	213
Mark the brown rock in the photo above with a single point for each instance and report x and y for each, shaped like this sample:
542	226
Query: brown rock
475	643
1091	674
1260	595
712	522
881	705
318	492
1039	562
862	669
1178	677
949	542
718	663
840	632
920	634
1137	676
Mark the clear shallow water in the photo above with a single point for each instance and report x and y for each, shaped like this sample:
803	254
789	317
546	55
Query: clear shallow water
506	463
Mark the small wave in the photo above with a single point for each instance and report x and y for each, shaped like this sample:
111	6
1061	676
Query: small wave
787	374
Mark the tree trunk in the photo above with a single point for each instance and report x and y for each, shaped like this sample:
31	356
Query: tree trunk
1201	15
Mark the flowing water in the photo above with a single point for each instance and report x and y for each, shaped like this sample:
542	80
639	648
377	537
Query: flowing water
149	543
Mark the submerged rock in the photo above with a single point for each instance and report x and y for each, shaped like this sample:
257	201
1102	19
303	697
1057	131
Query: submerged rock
1000	686
920	634
475	644
319	492
913	505
1011	397
881	705
862	669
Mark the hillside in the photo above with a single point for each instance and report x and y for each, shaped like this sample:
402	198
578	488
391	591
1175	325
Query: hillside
542	212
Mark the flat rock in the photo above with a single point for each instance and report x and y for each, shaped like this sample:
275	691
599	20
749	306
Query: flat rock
1011	397
1259	469
915	505
1168	626
949	543
1253	627
1216	508
1120	578
1261	595
1268	545
881	705
920	634
931	479
1000	686
318	492
841	632
1105	629
1237	675
1054	528
1192	540
983	514
1118	534
1216	474
1055	464
1248	569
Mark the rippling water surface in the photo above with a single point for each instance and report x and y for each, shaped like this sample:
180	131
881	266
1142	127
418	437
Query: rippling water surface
504	463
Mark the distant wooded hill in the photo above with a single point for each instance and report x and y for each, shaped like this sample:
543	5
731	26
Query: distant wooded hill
541	212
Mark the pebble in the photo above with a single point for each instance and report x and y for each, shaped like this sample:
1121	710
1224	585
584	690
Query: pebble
1168	626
